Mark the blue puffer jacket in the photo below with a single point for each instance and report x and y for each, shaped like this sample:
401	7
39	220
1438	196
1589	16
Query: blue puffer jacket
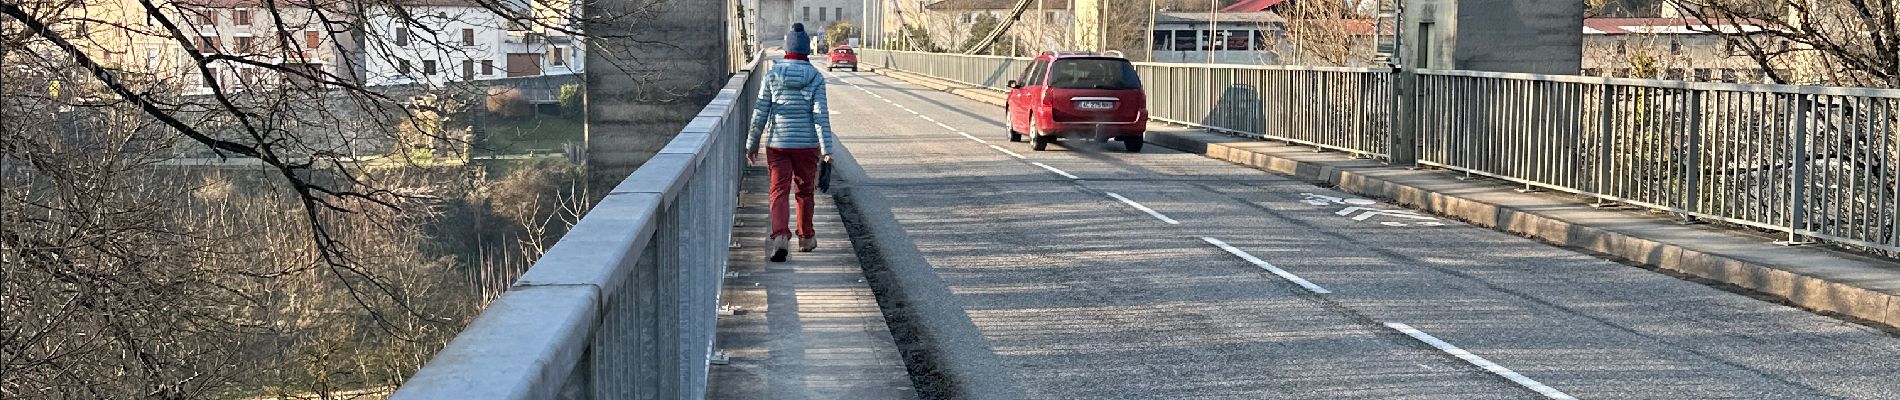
793	97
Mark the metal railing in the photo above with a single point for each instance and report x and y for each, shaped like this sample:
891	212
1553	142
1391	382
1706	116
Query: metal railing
1809	161
1297	104
625	305
1812	162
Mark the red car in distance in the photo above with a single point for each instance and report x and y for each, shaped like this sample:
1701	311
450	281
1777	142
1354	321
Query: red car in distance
842	57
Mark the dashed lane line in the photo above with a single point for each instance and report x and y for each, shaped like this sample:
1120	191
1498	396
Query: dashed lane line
1263	264
1474	359
1143	208
1064	174
978	140
1005	151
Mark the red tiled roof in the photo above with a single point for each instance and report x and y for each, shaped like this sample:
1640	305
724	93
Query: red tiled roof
1684	25
1251	5
993	5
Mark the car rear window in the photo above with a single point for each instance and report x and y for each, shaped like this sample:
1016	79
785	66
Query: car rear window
842	51
1093	73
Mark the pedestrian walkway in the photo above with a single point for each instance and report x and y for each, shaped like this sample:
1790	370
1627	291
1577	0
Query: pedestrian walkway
807	328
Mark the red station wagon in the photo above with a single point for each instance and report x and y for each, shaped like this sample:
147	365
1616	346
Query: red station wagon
843	57
1078	95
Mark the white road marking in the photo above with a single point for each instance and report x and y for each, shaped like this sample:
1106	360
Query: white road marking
947	127
1005	151
928	118
912	112
1053	169
1143	208
975	138
1474	359
1368	212
1263	264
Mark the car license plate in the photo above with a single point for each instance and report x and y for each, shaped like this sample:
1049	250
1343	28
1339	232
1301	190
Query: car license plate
1095	105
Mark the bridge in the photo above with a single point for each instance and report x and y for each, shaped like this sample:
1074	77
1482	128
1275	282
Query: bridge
1292	232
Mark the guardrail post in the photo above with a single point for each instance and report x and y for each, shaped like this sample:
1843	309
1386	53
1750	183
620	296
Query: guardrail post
1798	178
1606	130
1692	162
1402	143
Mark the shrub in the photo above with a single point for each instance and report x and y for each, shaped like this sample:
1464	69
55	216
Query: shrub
571	105
508	103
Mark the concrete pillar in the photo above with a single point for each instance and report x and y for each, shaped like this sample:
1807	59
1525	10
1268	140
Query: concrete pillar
651	66
1529	36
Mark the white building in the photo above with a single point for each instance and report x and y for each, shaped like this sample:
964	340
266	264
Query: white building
446	41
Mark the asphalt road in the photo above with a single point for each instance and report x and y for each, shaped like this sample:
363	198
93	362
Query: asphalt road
1084	295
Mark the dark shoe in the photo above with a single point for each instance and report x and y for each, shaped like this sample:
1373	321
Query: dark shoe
779	245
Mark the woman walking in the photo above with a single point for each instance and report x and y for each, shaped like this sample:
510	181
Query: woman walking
792	98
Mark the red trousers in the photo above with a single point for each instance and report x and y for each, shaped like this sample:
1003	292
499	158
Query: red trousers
792	168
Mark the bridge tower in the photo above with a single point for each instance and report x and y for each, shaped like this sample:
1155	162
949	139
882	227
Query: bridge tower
1529	36
650	70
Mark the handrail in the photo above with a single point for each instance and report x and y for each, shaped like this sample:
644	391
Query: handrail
625	304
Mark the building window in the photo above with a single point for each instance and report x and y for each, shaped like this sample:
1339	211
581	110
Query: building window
311	40
241	17
468	70
488	67
1623	47
468	37
1162	39
245	45
821	13
1237	40
402	67
402	36
1184	40
207	17
428	67
807	15
556	56
1701	74
838	13
1591	72
1675	46
207	44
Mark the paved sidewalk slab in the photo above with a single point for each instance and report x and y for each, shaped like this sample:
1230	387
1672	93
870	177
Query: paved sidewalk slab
810	327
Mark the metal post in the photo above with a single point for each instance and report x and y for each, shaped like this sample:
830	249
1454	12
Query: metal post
1797	192
1153	8
1692	162
1606	128
1402	143
1213	21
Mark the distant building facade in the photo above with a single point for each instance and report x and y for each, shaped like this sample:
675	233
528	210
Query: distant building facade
1676	48
123	39
443	41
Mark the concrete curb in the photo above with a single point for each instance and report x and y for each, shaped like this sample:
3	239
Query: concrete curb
947	355
1352	176
1802	290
